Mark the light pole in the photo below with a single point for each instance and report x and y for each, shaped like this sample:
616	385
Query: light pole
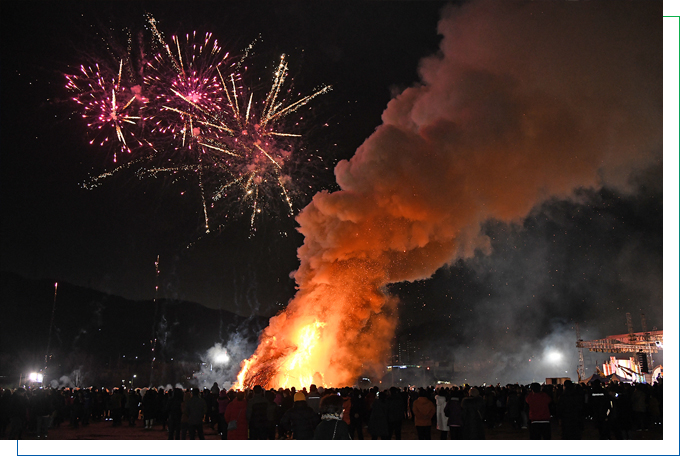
49	332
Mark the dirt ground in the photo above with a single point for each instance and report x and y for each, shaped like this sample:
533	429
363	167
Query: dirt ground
102	438
104	430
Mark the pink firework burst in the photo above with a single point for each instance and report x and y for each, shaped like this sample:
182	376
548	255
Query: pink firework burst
194	112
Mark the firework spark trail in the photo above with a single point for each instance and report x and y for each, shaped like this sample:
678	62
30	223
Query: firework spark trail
200	185
97	181
449	157
192	111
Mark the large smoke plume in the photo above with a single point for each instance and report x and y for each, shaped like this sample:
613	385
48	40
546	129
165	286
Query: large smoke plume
525	101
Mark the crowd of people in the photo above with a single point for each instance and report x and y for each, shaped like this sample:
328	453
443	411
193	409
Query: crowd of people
450	412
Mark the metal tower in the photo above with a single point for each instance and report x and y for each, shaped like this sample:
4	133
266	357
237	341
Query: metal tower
581	365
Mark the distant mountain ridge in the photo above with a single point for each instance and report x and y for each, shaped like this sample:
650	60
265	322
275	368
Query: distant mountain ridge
103	327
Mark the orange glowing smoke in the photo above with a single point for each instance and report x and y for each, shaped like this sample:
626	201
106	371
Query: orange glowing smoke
336	326
526	101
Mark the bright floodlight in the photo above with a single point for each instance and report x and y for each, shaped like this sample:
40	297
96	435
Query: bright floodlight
35	377
555	356
221	358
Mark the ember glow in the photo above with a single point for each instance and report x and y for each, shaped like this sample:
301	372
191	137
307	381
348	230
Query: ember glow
194	114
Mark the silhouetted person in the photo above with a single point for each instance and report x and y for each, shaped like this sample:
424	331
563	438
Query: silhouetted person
116	404
196	409
473	416
134	399
442	421
149	408
43	408
236	413
18	414
332	426
314	398
539	413
257	414
396	409
599	409
423	411
514	407
175	414
454	412
378	425
570	409
301	420
222	402
357	414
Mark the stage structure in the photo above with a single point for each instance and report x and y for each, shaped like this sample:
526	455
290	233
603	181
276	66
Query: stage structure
643	344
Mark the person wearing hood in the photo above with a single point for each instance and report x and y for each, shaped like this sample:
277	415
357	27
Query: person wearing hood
301	419
215	389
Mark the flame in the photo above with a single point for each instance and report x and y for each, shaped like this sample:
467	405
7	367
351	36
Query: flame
299	362
331	331
244	368
298	359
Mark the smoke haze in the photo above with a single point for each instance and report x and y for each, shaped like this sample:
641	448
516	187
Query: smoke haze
525	103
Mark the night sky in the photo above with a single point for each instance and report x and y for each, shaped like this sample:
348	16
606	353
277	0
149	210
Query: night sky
587	252
108	238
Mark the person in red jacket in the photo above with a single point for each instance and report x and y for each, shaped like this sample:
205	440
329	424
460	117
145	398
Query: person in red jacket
236	410
423	411
539	413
